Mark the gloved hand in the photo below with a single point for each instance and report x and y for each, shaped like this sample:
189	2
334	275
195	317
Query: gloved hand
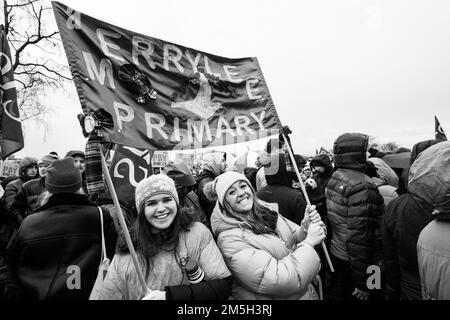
311	183
155	295
285	130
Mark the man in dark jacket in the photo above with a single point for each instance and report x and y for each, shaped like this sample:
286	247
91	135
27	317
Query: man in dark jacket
403	221
56	252
184	182
26	200
27	171
291	204
355	208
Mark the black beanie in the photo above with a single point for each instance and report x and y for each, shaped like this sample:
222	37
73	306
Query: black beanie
63	177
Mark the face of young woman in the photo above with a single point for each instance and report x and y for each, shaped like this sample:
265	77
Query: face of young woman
160	211
240	197
31	172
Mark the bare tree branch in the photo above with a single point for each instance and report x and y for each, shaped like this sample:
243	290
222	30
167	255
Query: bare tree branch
33	49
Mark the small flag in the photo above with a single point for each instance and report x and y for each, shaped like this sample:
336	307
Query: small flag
11	136
438	131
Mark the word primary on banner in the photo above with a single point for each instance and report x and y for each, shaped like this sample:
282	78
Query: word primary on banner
161	95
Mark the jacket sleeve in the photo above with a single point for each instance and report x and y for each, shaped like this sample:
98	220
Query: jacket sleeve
19	206
390	249
11	283
8	197
217	284
299	210
365	208
219	289
260	272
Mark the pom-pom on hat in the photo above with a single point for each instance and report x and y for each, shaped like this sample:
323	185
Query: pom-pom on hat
63	177
155	184
217	189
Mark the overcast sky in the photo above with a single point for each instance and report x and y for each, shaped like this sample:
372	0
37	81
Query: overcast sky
377	67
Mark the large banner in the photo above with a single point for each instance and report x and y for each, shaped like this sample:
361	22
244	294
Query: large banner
162	95
11	136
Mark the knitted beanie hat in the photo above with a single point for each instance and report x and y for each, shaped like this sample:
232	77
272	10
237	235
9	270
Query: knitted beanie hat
63	177
219	187
47	159
155	184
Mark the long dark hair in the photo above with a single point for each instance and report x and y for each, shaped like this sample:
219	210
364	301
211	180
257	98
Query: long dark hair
148	244
260	219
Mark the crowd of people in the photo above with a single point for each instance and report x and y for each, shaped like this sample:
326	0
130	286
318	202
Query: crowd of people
222	234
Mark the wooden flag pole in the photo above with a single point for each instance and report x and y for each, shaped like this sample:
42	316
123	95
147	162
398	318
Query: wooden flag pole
305	194
123	224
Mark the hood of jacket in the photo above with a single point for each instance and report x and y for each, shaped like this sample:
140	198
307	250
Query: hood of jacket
429	176
385	174
350	152
420	147
324	161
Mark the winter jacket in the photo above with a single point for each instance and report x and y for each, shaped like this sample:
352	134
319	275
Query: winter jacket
7	219
355	208
407	215
61	239
167	273
26	200
433	253
317	195
266	266
190	200
10	192
291	204
416	150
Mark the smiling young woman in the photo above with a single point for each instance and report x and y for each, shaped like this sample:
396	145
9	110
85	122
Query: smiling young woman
269	256
169	245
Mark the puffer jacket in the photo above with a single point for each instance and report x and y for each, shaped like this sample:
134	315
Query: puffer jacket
266	266
433	253
407	215
168	271
62	236
26	200
355	208
386	180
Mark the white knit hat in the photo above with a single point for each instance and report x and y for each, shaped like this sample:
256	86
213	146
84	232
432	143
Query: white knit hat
155	184
225	181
